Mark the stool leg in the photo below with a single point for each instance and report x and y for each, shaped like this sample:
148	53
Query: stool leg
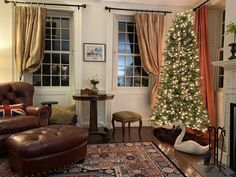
140	126
129	129
113	126
123	131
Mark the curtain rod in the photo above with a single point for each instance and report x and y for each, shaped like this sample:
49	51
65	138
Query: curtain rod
138	10
51	4
200	5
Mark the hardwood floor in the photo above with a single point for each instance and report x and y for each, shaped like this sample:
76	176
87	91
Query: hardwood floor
183	161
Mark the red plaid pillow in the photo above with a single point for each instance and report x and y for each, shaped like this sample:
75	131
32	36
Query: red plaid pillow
12	110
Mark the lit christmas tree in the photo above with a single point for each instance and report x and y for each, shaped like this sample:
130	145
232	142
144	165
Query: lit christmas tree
179	97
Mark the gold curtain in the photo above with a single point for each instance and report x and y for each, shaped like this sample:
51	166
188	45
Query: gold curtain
150	27
29	38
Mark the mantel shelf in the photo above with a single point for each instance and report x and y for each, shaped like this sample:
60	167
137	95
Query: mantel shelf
227	64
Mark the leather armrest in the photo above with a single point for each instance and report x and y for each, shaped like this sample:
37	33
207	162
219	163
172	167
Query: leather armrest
43	112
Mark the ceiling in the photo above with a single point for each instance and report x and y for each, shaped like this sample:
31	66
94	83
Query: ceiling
182	3
190	3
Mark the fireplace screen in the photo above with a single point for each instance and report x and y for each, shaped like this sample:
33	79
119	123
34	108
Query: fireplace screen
233	136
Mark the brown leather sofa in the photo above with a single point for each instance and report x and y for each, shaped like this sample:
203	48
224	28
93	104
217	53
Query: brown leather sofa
36	116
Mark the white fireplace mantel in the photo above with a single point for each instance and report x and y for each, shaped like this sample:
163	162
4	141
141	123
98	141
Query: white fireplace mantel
227	64
229	96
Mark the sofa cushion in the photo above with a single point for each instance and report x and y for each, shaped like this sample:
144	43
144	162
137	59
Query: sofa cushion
61	115
12	110
17	124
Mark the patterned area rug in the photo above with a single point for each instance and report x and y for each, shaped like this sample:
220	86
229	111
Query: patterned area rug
141	159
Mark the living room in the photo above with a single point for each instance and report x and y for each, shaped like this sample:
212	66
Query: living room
93	25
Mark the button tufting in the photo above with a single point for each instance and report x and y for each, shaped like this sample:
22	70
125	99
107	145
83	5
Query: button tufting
45	141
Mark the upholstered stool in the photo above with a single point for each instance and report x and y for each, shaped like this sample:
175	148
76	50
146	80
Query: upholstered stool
124	117
41	150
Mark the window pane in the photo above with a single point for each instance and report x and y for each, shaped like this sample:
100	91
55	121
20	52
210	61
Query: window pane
136	49
65	34
137	71
55	69
65	45
130	27
129	61
221	81
121	71
47	45
55	22
131	38
129	71
65	80
55	45
121	61
121	81
55	81
65	22
64	70
222	41
46	81
64	58
56	58
56	34
223	16
128	48
121	48
48	22
144	72
137	81
128	81
221	71
223	29
37	80
38	71
48	34
47	58
135	39
122	37
122	26
221	56
145	82
137	61
46	69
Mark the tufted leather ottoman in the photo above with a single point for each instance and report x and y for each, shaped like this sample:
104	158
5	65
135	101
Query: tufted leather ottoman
38	151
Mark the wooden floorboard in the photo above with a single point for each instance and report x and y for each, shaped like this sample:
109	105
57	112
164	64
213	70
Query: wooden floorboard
182	160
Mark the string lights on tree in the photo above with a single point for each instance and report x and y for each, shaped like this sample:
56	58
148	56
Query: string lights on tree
179	97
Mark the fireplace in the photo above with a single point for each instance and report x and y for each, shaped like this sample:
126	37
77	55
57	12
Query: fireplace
233	136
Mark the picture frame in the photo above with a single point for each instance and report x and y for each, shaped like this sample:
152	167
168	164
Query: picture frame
94	52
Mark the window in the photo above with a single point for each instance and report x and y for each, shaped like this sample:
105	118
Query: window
55	68
221	52
129	66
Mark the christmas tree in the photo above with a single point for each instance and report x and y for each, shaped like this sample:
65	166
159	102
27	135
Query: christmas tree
179	97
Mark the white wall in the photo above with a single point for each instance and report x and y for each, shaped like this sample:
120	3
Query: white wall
6	55
230	16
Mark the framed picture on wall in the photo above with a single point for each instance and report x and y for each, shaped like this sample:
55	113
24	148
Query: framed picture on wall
94	52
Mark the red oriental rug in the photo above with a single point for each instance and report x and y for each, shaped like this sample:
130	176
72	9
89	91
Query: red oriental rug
139	159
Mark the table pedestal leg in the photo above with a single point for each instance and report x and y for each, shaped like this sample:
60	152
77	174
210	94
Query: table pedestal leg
93	127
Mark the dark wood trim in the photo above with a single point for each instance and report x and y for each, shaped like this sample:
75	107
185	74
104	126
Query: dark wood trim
42	3
136	10
200	5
